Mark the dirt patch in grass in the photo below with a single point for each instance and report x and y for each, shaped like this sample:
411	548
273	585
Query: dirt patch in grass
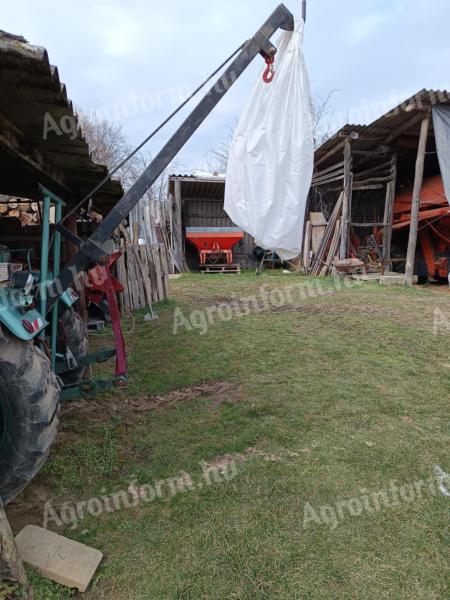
220	392
24	511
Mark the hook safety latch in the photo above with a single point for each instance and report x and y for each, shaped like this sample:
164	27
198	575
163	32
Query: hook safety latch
269	73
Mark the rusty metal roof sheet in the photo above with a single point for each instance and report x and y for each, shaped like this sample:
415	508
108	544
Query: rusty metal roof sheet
30	90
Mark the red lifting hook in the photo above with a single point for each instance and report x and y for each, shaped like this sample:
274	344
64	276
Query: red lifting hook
269	73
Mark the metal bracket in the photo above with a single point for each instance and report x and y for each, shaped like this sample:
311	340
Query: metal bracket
268	50
89	359
85	389
71	361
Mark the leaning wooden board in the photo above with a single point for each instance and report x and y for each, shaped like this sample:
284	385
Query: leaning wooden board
318	226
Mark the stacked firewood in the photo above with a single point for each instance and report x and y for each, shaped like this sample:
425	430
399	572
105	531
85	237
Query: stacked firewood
26	211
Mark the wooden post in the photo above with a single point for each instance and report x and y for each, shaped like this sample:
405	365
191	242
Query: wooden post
415	207
389	214
347	203
178	216
148	226
307	246
10	554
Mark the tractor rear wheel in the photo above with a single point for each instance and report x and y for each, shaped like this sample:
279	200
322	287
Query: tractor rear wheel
77	340
29	409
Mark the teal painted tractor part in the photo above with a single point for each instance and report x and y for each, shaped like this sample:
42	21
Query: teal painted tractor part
18	310
68	298
20	318
86	389
27	341
24	325
56	265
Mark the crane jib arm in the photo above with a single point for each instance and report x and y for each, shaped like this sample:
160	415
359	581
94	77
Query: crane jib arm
90	251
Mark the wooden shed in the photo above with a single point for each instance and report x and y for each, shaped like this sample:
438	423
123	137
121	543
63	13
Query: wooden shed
358	174
197	201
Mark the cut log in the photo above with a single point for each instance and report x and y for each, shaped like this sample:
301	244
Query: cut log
26	218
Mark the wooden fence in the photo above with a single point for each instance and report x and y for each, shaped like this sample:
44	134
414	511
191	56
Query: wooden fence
143	271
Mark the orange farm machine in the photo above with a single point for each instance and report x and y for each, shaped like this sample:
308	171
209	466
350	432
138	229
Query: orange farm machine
433	257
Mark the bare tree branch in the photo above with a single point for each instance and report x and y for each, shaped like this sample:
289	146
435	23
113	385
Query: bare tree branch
109	146
323	112
323	119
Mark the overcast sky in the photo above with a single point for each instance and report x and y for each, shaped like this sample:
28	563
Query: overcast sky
136	60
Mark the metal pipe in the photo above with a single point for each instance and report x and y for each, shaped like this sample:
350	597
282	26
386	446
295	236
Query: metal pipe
56	261
44	254
304	10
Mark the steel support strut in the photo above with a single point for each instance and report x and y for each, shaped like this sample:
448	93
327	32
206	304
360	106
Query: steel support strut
89	253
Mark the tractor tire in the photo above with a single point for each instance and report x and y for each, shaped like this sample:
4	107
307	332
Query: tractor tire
78	343
29	413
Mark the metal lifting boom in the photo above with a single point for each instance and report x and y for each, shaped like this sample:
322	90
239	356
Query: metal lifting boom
90	251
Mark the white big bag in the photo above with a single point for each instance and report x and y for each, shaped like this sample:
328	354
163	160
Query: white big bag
272	153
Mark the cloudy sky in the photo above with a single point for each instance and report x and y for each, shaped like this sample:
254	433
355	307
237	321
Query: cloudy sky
135	61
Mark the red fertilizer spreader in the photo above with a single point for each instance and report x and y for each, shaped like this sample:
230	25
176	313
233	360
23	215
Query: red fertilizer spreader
214	244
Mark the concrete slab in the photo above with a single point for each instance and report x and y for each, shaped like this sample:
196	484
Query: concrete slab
62	560
393	279
371	277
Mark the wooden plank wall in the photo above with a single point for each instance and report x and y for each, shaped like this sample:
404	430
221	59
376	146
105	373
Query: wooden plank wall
143	270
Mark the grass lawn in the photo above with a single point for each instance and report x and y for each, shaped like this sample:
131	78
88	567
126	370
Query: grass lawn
328	398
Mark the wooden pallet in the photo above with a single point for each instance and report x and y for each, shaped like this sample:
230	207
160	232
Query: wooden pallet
221	268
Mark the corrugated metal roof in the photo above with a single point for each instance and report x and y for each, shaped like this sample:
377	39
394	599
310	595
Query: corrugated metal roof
404	118
199	187
30	90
